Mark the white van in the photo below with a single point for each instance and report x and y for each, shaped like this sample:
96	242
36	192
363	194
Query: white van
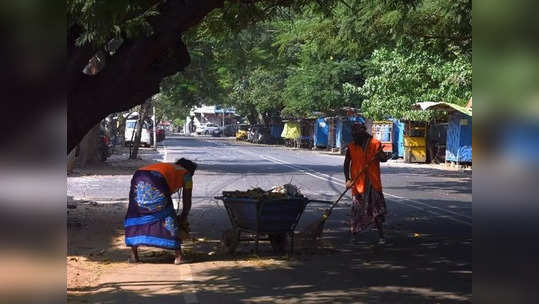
145	136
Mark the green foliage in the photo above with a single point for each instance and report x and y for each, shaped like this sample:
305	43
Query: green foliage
102	20
260	94
294	57
321	86
178	122
398	78
198	84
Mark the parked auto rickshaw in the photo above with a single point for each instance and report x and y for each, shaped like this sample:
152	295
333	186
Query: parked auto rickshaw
242	132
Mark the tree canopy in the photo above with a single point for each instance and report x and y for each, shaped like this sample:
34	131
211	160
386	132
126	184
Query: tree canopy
380	57
266	58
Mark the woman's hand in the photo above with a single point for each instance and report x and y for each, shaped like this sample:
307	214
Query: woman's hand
380	154
349	184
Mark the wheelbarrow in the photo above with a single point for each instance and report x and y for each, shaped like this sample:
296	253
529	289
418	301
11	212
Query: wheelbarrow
269	217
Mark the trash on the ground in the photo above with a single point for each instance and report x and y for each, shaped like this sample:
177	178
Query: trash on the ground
277	192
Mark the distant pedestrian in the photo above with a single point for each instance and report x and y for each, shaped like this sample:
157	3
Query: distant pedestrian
151	219
368	205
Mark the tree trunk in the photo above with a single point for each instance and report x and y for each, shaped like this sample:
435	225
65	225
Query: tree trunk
144	109
88	148
112	129
134	73
71	158
120	131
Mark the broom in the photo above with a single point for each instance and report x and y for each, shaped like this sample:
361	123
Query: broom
184	227
315	228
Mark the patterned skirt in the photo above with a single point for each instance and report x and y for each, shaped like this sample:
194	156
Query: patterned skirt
150	219
366	209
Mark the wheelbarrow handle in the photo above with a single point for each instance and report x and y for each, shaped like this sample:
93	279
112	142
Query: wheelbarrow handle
319	201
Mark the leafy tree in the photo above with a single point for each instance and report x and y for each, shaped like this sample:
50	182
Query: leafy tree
398	78
147	48
320	87
407	51
251	72
320	52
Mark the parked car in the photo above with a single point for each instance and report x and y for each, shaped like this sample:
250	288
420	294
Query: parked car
227	131
206	128
145	136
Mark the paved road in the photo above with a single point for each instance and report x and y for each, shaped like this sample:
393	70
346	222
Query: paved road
427	260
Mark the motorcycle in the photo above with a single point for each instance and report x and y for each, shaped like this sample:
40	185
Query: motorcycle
104	146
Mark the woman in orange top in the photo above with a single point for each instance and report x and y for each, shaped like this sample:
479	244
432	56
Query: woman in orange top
151	219
368	204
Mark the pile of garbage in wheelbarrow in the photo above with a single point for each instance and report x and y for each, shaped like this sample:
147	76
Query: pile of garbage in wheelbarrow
268	215
286	191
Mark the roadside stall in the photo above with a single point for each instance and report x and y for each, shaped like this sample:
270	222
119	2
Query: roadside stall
415	142
276	130
344	131
437	141
321	131
306	138
459	130
291	133
383	131
398	138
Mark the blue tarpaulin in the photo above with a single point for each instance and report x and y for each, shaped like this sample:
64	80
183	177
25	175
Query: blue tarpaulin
276	130
398	138
459	138
321	130
344	132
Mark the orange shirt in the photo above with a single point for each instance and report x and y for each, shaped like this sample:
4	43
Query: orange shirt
175	175
358	160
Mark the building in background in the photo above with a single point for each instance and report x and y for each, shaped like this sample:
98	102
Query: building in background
214	114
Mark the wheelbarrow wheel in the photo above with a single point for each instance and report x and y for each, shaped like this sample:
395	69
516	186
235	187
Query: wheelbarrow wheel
229	241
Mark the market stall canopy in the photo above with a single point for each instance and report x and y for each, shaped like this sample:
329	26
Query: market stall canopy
443	106
291	130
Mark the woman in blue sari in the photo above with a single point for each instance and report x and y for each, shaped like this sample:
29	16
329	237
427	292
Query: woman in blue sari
151	219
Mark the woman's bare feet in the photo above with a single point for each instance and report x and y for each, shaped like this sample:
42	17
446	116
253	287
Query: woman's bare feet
133	257
179	259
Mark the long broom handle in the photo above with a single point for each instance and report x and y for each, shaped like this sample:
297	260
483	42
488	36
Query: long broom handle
179	192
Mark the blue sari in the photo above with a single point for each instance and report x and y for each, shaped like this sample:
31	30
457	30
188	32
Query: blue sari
150	219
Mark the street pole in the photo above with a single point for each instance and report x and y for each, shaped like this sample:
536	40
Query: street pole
154	130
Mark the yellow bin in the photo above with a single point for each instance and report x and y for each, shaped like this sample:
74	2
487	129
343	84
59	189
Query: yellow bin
415	149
